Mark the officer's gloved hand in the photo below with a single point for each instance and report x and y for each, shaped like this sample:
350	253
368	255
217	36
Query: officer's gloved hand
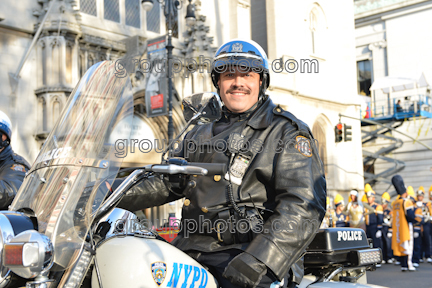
245	271
378	234
389	235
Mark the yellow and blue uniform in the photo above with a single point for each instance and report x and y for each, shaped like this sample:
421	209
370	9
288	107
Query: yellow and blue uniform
387	230
403	216
417	224
427	232
373	219
340	220
426	211
374	223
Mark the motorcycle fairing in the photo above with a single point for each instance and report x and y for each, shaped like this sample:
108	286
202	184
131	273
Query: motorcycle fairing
62	187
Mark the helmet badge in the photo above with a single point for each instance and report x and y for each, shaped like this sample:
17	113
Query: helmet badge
237	47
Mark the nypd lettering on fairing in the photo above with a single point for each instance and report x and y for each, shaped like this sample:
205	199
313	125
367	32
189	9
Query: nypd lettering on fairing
349	235
191	276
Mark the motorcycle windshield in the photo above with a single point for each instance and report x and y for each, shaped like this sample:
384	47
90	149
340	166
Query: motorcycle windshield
77	164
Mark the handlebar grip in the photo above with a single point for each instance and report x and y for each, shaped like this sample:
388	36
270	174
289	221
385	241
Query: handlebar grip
212	168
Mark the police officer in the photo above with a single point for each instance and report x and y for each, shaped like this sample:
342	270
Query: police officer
12	166
386	229
339	218
426	211
373	219
403	217
282	182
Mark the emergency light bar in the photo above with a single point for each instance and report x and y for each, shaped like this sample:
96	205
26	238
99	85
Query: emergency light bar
367	256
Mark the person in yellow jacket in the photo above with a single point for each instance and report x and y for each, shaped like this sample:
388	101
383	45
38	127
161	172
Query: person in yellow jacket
387	231
403	217
339	218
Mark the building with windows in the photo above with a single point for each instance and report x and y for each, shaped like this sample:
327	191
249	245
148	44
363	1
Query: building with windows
393	64
310	45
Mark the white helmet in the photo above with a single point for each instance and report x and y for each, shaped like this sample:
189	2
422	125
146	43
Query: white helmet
5	126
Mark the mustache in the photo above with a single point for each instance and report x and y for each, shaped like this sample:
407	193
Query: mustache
247	91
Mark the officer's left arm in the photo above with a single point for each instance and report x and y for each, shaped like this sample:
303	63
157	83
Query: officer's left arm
11	178
300	188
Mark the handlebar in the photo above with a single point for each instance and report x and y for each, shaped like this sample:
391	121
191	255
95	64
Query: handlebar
212	168
192	168
176	169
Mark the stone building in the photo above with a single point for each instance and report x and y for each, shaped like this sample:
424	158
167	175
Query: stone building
310	45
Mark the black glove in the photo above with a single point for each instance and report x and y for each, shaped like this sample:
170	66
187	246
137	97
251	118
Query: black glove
245	271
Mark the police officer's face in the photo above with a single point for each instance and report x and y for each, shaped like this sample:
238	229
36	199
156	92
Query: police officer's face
239	90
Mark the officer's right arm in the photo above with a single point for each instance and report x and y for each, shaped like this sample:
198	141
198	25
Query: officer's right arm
150	192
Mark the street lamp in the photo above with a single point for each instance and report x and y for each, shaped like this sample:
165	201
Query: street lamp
170	12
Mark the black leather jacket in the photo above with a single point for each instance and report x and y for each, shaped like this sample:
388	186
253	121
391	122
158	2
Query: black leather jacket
12	171
285	182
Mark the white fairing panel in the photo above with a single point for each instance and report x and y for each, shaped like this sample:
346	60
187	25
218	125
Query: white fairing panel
146	263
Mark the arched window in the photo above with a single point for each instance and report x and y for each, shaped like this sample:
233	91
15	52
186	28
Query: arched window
317	27
56	109
42	115
313	21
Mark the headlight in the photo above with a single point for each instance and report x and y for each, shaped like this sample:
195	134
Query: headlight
367	257
10	224
28	254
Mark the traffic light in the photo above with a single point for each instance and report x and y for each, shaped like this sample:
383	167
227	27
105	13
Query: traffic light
338	132
347	133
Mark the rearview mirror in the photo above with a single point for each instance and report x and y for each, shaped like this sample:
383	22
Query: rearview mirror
204	107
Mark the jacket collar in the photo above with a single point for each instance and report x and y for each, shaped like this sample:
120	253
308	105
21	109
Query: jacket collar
6	153
263	116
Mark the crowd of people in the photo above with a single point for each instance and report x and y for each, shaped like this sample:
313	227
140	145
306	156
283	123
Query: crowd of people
401	228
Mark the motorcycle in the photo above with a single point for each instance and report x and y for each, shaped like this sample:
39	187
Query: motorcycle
63	228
